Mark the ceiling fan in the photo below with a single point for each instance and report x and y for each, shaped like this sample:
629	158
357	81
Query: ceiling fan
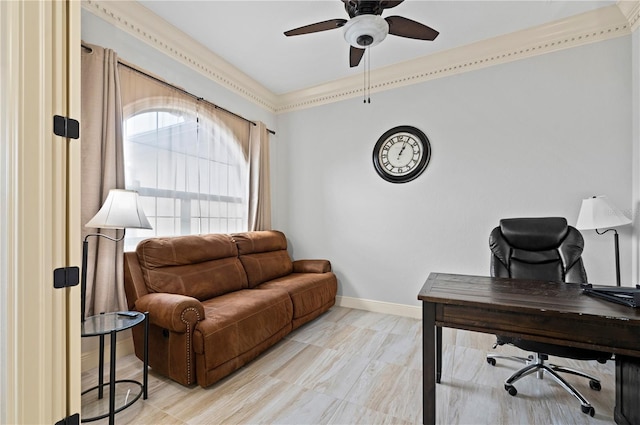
367	28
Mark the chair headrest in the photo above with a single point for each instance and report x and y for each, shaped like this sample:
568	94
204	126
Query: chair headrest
534	234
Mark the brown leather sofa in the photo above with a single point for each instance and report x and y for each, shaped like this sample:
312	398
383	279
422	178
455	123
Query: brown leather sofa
217	301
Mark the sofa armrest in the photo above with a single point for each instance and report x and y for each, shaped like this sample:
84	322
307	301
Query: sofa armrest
177	313
311	266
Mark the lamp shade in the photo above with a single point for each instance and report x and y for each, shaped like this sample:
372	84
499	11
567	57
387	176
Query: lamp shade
599	213
121	210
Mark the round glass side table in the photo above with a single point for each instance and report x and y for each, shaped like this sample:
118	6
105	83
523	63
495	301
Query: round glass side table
122	393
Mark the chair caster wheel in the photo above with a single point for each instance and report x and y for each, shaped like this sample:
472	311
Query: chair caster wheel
491	361
595	385
589	410
510	389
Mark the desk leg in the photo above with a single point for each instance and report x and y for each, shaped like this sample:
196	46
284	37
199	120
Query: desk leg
438	354
112	380
429	363
627	411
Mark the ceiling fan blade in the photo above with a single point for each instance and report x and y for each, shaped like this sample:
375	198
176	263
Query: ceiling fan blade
404	27
317	27
355	55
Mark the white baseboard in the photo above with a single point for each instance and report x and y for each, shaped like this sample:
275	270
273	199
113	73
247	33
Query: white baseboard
412	311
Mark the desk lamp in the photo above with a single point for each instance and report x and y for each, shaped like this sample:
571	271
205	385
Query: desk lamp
598	212
121	210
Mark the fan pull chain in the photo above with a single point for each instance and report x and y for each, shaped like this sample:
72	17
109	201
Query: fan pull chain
367	77
364	79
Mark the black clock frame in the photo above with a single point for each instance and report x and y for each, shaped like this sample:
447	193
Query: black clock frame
422	165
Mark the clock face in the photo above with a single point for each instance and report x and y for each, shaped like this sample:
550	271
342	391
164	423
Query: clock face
401	154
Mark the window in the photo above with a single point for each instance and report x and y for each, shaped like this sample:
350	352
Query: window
189	171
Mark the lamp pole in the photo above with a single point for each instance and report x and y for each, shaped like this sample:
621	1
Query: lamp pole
616	246
598	213
85	250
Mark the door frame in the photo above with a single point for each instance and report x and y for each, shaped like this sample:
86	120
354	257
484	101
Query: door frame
39	198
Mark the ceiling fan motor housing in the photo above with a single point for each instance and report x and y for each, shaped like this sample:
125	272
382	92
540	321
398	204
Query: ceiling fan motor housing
365	31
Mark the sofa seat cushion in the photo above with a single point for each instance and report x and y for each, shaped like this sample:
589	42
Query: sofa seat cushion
238	322
309	292
199	266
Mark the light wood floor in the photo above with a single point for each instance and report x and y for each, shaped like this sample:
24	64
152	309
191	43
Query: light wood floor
356	367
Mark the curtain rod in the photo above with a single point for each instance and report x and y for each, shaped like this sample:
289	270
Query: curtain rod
181	90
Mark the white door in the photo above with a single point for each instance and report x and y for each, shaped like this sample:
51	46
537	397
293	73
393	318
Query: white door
39	206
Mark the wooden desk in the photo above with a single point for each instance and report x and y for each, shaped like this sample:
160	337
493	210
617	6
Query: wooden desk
537	310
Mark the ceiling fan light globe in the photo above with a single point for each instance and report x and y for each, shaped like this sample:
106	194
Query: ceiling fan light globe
365	31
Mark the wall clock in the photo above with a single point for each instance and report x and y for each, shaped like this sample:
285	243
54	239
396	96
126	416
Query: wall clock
401	154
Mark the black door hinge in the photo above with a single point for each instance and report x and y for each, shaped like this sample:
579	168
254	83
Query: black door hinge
65	277
70	420
66	127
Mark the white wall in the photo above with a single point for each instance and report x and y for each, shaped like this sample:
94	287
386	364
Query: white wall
528	138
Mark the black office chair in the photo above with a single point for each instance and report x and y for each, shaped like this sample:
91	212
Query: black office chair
542	249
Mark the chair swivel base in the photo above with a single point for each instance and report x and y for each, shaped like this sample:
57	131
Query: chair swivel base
536	364
491	359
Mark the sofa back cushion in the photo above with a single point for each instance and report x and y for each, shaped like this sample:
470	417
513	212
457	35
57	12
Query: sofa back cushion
199	266
264	255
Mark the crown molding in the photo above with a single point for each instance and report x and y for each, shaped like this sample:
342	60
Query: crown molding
601	24
598	25
631	10
137	20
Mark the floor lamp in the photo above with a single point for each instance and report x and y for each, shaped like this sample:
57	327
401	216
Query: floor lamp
121	210
598	212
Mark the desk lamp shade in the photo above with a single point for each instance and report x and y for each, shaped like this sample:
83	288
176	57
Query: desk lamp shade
598	213
121	210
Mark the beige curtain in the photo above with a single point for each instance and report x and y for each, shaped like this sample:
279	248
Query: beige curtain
259	198
102	170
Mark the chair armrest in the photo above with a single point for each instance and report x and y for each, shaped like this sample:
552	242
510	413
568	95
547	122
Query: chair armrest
174	312
311	266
